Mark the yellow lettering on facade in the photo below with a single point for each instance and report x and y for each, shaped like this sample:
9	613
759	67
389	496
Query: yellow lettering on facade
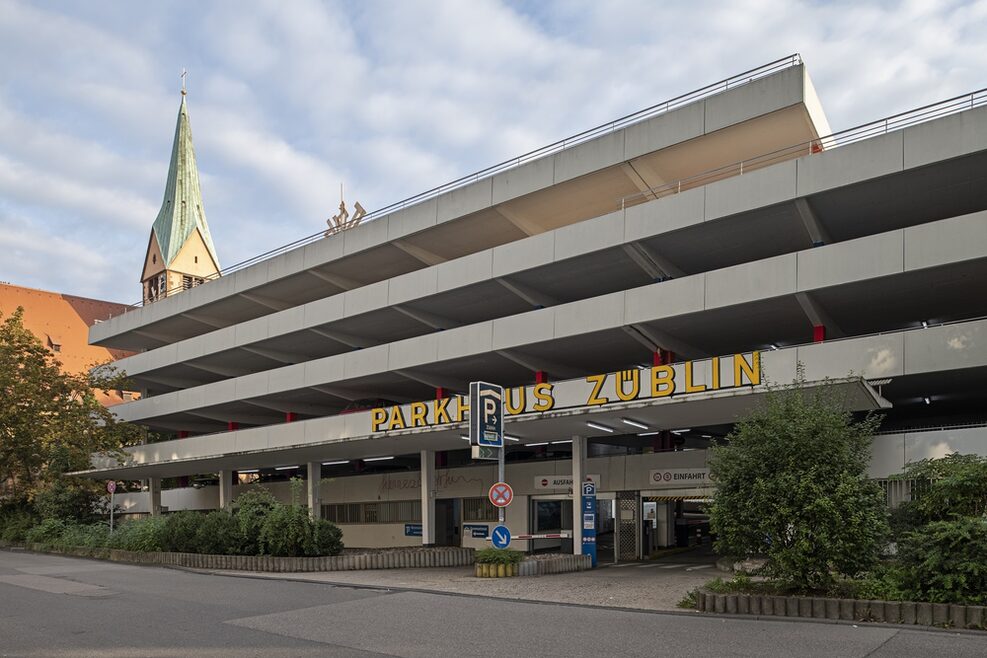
543	396
440	411
715	365
515	399
689	386
417	414
662	381
396	421
595	398
633	377
462	407
377	418
752	370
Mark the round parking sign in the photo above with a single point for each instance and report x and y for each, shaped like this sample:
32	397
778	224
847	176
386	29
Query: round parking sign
501	494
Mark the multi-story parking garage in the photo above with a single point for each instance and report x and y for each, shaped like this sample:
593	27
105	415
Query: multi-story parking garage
634	287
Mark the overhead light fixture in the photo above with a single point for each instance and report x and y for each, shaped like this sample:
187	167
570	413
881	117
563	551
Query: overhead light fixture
336	463
597	426
706	436
682	431
285	468
378	459
927	400
634	423
542	443
925	324
773	346
562	441
249	470
464	437
649	433
511	437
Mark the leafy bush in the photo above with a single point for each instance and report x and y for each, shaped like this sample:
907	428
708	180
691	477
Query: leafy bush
48	531
95	535
950	487
498	556
72	502
15	521
147	534
218	534
181	531
287	532
792	486
327	538
252	507
946	561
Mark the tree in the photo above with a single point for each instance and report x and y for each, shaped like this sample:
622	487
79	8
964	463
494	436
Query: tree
946	488
50	423
791	487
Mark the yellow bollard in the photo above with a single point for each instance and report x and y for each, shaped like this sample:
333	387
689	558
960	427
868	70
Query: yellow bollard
501	570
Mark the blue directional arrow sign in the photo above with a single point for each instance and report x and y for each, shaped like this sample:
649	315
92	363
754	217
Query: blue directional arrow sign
500	537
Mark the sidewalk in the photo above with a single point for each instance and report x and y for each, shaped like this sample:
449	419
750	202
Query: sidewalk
643	586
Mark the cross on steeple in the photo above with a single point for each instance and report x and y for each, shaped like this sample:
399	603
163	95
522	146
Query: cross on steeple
183	76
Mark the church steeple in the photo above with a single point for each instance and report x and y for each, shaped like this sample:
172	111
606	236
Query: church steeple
180	253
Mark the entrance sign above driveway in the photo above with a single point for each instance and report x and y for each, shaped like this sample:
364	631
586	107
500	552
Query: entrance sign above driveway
680	477
501	494
486	415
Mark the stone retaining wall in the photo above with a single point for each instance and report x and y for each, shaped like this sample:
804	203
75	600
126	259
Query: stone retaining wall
945	615
555	564
398	558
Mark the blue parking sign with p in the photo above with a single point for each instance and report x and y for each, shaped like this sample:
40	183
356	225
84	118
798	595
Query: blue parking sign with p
486	415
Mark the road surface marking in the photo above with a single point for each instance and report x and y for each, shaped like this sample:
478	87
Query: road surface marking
699	566
672	566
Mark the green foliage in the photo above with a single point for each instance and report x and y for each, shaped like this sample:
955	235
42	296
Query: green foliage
48	531
50	421
287	532
70	501
181	531
95	535
147	534
791	486
327	538
218	534
498	556
690	601
15	521
946	561
951	487
252	507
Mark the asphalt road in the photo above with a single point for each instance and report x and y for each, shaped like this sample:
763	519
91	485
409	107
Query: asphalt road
54	606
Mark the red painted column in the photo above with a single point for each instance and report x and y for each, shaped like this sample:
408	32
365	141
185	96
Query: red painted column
232	425
541	377
818	333
182	434
663	357
290	417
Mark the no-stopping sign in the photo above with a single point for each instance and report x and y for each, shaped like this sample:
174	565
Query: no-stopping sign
501	494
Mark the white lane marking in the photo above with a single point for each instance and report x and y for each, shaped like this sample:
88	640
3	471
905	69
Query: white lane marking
672	566
624	564
647	566
699	566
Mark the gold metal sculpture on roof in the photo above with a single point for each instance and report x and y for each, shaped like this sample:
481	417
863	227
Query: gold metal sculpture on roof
343	221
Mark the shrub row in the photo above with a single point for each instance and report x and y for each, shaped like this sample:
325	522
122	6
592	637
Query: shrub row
260	525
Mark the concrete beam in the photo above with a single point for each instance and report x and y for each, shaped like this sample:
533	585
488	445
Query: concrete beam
208	320
313	489
337	280
161	337
165	380
655	339
428	497
527	293
225	489
653	263
238	417
297	407
274	355
578	475
349	340
266	302
534	363
354	395
638	180
428	319
523	224
217	370
818	235
818	315
424	255
434	381
154	496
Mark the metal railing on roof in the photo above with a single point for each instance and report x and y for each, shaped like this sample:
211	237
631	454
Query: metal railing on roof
826	143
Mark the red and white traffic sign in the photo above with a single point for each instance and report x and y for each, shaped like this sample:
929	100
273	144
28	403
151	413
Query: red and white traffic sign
111	486
501	494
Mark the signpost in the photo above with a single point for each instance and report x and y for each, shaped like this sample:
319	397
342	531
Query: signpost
501	494
111	486
589	520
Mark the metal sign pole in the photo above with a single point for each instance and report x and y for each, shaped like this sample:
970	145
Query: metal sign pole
111	512
500	477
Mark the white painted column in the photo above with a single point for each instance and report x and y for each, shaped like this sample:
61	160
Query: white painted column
578	475
313	486
428	497
225	489
154	494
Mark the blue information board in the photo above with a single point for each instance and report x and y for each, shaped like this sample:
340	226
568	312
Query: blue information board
412	529
476	530
589	520
500	537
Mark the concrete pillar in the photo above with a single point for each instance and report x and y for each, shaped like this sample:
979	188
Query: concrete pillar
578	475
154	493
313	486
225	489
428	497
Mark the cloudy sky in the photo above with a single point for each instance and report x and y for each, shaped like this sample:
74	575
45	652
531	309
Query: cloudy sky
288	99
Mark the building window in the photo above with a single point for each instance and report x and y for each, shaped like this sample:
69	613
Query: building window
154	258
196	259
479	509
396	511
191	282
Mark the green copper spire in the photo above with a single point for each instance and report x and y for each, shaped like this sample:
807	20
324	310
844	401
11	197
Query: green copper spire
181	210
